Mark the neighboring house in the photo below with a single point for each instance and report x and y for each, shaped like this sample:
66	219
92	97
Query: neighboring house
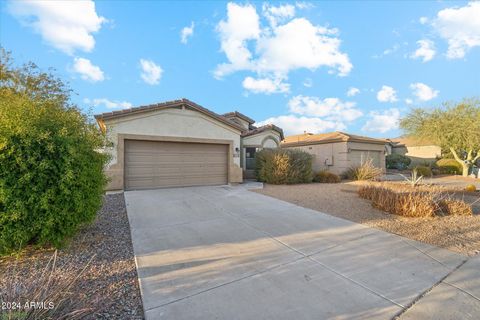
338	151
180	143
419	151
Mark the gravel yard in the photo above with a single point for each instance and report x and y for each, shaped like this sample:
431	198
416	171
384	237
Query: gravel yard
109	283
457	233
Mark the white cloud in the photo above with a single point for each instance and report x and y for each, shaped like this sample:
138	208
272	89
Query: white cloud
408	101
353	92
300	44
87	70
278	14
329	108
292	124
304	5
387	51
423	92
151	72
109	104
460	26
426	50
391	50
308	82
387	94
242	24
383	121
65	25
423	20
284	45
265	85
186	33
315	115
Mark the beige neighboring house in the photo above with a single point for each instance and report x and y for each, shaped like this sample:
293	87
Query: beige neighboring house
419	151
180	143
338	151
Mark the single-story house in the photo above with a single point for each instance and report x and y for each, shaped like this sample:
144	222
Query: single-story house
420	151
338	151
180	143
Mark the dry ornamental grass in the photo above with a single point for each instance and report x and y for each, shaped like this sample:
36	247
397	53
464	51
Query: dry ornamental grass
366	171
416	202
45	293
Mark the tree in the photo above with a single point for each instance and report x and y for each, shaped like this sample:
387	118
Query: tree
51	174
454	127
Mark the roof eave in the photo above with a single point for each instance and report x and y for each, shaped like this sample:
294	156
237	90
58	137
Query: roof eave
239	115
309	143
165	105
313	142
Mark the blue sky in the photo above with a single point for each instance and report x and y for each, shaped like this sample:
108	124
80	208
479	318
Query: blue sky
306	66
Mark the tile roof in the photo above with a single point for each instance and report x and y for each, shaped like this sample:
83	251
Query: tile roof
337	136
165	105
410	141
187	103
266	127
238	115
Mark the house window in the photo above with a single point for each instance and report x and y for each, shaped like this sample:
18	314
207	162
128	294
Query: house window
250	158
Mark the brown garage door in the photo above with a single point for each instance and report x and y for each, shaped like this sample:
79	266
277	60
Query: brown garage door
358	157
155	164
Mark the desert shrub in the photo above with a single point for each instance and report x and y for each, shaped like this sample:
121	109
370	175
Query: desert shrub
415	178
51	176
455	207
435	169
408	204
449	166
397	161
326	177
366	171
470	188
413	203
424	171
283	166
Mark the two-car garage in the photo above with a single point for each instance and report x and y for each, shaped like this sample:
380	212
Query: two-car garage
171	144
157	164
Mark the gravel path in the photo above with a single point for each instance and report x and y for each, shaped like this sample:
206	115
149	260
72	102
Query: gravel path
457	233
109	284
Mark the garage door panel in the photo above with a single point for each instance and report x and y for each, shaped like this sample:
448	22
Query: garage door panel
358	157
156	164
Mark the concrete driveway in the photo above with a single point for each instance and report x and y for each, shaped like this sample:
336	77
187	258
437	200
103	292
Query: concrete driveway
228	253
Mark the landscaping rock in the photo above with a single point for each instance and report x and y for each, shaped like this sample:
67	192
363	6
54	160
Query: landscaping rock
109	284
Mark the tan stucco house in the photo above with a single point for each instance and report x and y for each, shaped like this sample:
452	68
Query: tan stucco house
418	150
180	143
338	151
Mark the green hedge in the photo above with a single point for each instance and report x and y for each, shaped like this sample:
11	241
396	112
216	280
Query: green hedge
51	176
450	166
326	177
424	171
283	166
397	161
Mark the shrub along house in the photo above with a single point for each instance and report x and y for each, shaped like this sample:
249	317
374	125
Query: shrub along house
180	143
338	151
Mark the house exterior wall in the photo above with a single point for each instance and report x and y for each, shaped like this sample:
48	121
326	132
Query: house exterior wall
337	157
419	154
265	139
327	156
172	124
